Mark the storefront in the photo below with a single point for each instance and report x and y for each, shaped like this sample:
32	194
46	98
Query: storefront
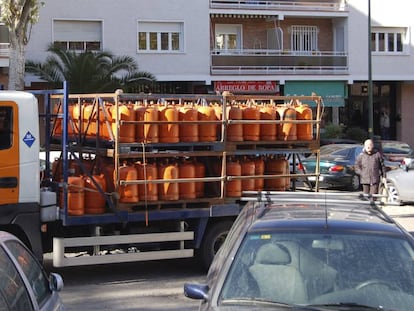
333	95
384	107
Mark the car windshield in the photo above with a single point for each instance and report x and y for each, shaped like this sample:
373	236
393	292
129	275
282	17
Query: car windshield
322	269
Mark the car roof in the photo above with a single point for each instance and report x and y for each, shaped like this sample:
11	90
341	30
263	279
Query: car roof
335	147
312	211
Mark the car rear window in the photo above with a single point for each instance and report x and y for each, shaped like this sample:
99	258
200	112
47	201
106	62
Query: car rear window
12	288
396	147
32	270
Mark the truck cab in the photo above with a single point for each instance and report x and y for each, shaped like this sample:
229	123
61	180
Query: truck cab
19	167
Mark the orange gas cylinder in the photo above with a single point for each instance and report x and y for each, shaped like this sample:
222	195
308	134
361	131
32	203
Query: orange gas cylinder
168	190
247	169
128	193
94	200
286	130
200	172
168	132
89	119
218	108
287	172
207	132
147	172
268	131
126	132
233	187
188	132
187	190
76	196
58	121
275	166
251	131
108	168
105	122
304	130
235	130
146	132
259	168
75	124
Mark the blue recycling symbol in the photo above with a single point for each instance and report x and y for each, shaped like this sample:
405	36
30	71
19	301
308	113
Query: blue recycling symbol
29	139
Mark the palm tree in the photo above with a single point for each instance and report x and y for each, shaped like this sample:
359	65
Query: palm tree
89	72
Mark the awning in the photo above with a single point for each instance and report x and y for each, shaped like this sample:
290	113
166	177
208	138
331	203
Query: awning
332	92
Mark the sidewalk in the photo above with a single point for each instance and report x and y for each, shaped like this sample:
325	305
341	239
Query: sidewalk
404	215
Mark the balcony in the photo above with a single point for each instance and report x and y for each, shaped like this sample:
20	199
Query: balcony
303	5
262	62
4	54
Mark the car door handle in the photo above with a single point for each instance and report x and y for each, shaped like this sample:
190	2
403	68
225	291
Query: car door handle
8	182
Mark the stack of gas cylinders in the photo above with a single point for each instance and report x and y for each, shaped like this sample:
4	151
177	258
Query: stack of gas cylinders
170	122
179	178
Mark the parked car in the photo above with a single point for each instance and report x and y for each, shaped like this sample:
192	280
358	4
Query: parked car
399	188
393	150
24	284
336	166
310	252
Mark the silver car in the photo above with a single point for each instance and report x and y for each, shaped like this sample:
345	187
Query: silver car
24	284
399	187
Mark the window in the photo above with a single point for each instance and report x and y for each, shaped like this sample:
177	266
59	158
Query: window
32	270
78	35
160	36
227	37
6	126
304	38
388	40
12	288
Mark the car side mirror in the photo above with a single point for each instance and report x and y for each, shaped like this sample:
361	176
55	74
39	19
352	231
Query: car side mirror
55	282
196	291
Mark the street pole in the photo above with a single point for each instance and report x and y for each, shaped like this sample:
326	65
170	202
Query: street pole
370	100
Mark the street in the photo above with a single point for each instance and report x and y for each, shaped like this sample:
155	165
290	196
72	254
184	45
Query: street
156	285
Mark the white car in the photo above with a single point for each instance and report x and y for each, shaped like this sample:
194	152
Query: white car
24	284
399	188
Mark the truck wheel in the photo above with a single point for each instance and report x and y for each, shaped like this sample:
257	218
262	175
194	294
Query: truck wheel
213	240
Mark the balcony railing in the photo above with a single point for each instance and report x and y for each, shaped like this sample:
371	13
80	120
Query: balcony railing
4	50
278	62
303	5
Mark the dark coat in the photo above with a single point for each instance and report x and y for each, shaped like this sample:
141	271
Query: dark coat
370	167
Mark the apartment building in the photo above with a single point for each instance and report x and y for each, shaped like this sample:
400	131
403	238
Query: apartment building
254	46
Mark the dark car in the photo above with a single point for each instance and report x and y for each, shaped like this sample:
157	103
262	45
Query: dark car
336	166
311	251
24	284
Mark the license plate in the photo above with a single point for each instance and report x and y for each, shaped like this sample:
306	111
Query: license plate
313	178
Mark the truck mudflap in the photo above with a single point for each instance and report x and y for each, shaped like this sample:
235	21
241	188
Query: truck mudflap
63	259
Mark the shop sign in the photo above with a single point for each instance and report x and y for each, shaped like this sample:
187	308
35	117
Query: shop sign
237	87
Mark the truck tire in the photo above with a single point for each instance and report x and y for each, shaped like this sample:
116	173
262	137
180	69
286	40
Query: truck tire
212	241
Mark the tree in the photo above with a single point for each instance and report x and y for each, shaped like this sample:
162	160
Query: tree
88	72
18	16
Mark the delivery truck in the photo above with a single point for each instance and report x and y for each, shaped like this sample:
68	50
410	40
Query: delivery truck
105	178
